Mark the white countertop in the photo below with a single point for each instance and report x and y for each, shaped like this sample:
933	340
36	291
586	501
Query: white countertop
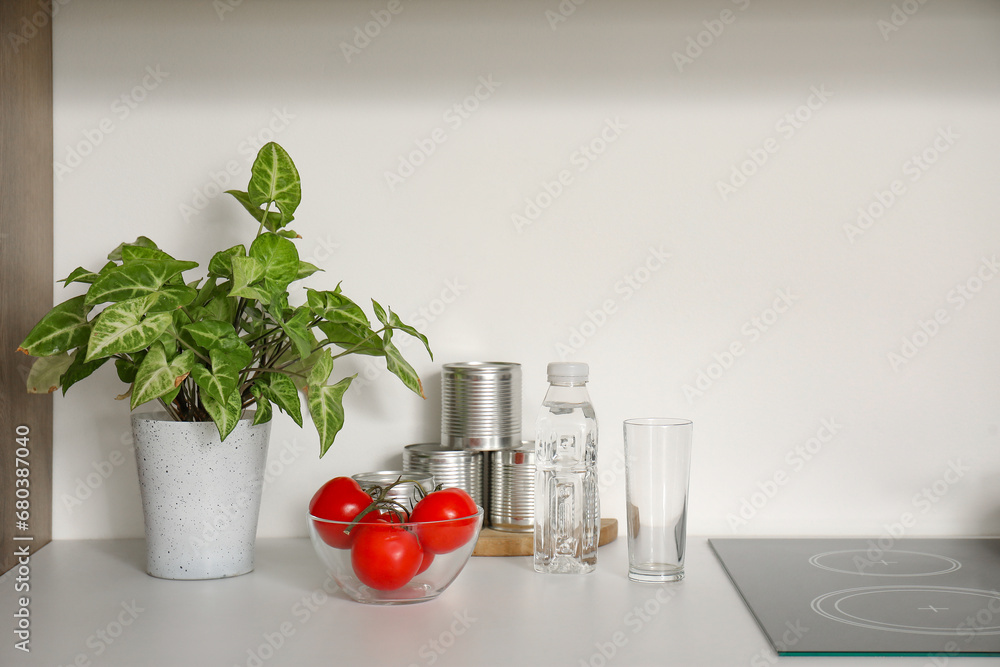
92	604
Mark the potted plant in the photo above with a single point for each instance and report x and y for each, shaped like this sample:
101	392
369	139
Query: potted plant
217	354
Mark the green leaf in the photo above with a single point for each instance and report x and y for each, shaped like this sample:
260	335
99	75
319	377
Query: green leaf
45	373
397	323
306	269
206	291
354	338
335	307
273	221
274	178
320	372
280	390
210	334
220	337
279	259
327	410
143	242
262	407
80	369
224	376
225	415
301	367
399	367
127	368
246	271
221	264
123	327
172	297
297	330
287	233
158	376
221	307
135	279
80	275
60	330
133	252
380	312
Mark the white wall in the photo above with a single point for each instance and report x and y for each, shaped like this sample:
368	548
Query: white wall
932	86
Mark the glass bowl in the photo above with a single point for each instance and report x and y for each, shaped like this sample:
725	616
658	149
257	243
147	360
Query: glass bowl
366	570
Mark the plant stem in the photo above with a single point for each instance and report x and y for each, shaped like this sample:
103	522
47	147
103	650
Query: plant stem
196	352
170	410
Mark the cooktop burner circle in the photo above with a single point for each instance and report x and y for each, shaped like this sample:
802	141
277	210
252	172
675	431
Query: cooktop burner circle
924	610
888	563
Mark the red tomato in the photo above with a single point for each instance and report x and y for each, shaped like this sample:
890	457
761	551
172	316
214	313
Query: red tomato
440	506
428	559
340	499
385	557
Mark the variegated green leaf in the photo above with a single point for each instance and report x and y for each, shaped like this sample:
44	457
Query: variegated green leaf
297	330
380	312
279	259
274	178
273	220
81	275
210	333
262	407
353	338
124	327
280	390
335	307
224	376
300	366
43	378
320	372
135	279
327	410
306	269
221	264
225	415
132	252
246	271
143	242
395	322
401	368
158	376
172	297
221	307
62	329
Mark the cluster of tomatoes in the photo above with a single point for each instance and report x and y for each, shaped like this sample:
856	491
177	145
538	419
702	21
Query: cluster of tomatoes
388	546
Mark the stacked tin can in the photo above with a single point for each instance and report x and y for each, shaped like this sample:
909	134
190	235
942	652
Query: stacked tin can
480	418
481	405
512	489
449	467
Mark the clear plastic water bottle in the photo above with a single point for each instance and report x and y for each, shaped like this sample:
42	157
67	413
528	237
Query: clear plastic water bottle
567	507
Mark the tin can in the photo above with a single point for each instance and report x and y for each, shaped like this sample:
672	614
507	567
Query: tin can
413	486
481	405
462	468
512	489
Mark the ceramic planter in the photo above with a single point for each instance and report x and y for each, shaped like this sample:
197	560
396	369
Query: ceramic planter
200	496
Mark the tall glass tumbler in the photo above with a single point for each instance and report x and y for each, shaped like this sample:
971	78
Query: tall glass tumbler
657	470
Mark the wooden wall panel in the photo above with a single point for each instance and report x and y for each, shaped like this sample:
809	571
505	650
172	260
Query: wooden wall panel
25	262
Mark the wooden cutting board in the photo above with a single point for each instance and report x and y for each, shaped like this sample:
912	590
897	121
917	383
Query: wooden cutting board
498	543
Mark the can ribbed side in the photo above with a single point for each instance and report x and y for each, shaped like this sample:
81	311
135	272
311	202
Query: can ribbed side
449	467
512	489
481	405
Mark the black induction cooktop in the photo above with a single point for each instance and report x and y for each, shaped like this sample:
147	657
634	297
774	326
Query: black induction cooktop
870	596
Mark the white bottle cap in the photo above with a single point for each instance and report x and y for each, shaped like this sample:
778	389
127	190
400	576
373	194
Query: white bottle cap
568	371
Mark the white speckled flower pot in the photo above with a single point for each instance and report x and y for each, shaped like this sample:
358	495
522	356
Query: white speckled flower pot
200	496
